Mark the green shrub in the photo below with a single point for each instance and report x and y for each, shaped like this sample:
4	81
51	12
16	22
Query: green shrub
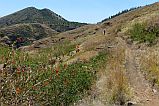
144	33
31	83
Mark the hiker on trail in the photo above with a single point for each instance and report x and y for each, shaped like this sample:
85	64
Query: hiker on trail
104	32
77	48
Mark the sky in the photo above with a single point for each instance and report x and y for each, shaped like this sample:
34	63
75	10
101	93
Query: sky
88	11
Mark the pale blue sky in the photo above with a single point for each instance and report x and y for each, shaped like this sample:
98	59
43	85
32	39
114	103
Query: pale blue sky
90	11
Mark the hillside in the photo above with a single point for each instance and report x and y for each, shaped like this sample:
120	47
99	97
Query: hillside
34	24
43	16
27	32
87	67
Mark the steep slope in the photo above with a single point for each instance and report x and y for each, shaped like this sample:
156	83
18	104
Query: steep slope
43	16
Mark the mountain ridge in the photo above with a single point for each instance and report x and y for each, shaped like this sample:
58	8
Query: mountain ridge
43	16
33	23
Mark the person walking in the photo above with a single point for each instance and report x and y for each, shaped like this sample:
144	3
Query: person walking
104	32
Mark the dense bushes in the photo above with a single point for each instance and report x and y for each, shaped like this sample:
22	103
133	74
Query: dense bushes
144	33
31	83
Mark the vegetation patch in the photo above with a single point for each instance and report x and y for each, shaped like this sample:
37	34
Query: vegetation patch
27	83
58	50
144	33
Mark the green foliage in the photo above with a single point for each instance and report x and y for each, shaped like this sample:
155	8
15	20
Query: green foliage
3	53
143	33
60	49
39	84
69	85
64	48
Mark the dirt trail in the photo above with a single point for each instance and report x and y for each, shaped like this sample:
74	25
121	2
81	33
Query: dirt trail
141	88
142	92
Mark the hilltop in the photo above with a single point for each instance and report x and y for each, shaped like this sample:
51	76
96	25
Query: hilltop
43	16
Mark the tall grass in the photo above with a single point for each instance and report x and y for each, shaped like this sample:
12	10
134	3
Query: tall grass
149	65
117	87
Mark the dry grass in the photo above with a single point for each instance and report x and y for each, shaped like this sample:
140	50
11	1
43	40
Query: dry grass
117	88
150	66
124	21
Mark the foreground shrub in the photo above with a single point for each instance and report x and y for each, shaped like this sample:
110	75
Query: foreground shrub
24	82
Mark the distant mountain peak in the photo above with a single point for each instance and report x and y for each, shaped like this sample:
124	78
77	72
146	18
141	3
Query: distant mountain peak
34	8
42	16
46	9
31	8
